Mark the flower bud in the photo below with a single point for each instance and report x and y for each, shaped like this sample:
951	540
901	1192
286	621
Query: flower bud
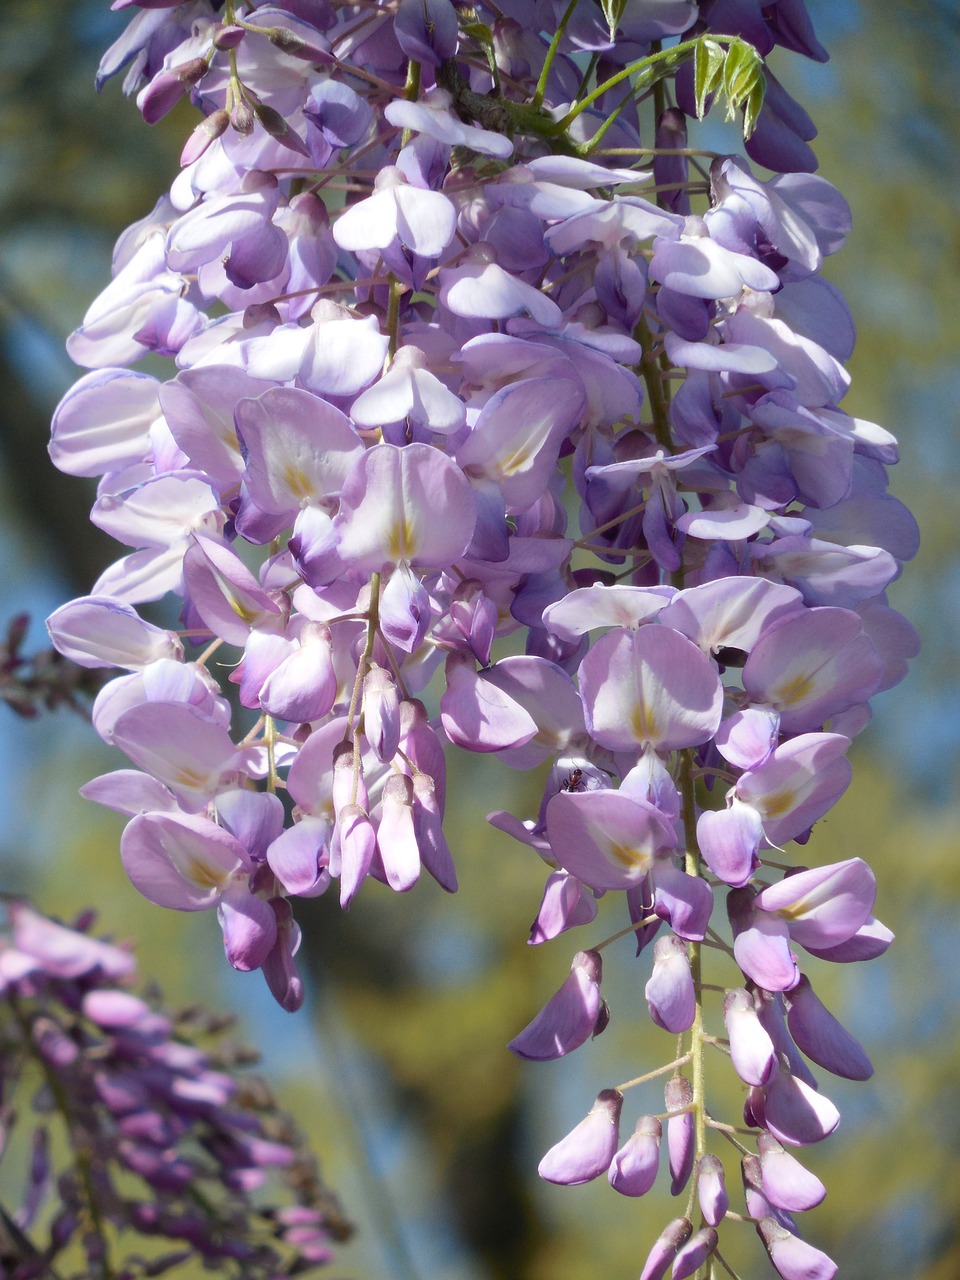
215	125
711	1191
634	1168
396	834
792	1257
678	1095
587	1150
692	1255
569	1017
670	995
228	36
674	1235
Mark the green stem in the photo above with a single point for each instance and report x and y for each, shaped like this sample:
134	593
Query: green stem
656	65
541	89
651	372
697	1038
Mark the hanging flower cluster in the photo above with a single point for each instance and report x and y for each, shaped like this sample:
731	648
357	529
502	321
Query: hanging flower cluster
470	344
137	1130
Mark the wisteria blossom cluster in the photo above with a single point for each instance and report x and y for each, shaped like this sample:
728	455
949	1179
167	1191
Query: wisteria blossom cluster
482	372
135	1129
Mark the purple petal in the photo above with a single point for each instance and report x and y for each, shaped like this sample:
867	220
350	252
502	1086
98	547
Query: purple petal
569	1017
183	862
786	1183
692	1255
729	840
664	1250
604	838
249	928
678	1096
821	1037
824	906
795	1113
650	686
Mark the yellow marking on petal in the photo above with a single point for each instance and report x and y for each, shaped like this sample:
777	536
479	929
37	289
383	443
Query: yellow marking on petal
777	803
401	541
643	722
795	692
244	611
515	462
191	778
628	856
203	875
297	482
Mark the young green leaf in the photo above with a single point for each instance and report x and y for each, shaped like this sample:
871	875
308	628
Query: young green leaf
708	60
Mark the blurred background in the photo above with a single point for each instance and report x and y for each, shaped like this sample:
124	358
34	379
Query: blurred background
428	1128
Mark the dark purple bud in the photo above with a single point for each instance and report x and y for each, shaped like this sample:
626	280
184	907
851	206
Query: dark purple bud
587	1150
792	1257
206	132
674	1235
54	1045
242	119
228	36
711	1189
426	30
678	1097
274	124
671	171
821	1037
692	1255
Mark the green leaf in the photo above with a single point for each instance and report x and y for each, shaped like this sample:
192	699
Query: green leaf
613	12
752	105
742	76
708	60
480	32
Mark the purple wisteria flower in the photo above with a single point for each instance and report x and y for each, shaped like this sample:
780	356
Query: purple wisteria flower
129	1089
456	398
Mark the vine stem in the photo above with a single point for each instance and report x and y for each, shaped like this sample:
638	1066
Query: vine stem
692	868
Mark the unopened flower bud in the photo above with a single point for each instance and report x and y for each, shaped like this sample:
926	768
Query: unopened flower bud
206	132
242	119
634	1168
786	1183
670	995
678	1097
396	834
674	1235
692	1255
381	713
228	36
587	1150
569	1017
711	1191
792	1257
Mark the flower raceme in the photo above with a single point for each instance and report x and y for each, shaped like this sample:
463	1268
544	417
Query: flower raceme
126	1089
442	375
